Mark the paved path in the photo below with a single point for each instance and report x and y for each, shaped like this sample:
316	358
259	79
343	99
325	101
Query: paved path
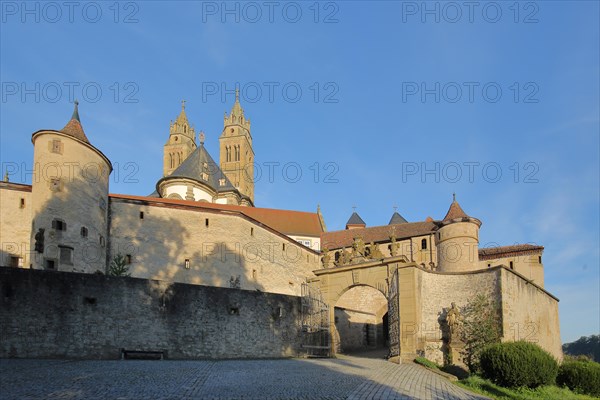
342	378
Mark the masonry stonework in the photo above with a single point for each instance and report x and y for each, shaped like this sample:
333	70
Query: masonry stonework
46	314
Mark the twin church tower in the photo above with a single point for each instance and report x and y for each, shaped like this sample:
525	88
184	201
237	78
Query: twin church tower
190	173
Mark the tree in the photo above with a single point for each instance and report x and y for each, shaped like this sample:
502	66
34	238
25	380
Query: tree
119	266
480	327
586	346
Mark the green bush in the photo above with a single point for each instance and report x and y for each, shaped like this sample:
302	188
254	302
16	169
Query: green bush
518	364
580	377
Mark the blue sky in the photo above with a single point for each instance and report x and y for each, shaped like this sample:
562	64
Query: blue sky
394	103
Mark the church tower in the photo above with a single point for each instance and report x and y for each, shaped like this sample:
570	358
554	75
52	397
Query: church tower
181	142
236	154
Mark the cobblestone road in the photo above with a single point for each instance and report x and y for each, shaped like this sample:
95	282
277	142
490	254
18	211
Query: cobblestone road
342	378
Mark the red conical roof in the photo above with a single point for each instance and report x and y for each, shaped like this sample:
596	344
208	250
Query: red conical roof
455	211
74	128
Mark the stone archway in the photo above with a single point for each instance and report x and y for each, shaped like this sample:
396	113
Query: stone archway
360	314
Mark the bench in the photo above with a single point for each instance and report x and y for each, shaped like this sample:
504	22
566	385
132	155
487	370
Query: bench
142	355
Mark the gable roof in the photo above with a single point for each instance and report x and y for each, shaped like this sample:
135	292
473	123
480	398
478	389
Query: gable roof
338	239
288	222
509	251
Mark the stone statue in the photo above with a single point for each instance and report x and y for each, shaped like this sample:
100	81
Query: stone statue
326	257
358	247
393	246
343	257
453	319
374	251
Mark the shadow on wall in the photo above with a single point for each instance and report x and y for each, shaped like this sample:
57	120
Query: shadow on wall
87	240
49	314
360	331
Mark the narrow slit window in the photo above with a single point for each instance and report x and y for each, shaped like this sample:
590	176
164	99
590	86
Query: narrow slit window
511	265
251	231
22	203
206	222
128	259
141	215
84	232
424	244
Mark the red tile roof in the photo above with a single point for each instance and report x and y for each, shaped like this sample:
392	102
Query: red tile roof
298	223
74	128
508	251
455	211
338	239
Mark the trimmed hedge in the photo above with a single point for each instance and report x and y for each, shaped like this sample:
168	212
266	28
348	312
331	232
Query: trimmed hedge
580	376
518	364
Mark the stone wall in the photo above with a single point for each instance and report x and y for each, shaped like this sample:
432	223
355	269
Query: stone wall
15	223
218	245
529	313
48	314
438	291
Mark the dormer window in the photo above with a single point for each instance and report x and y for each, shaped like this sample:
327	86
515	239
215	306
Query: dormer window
205	176
222	182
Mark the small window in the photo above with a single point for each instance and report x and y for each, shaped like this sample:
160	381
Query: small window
49	264
205	176
424	244
540	259
22	203
56	147
254	274
102	241
16	261
283	247
186	263
128	259
141	215
251	231
489	265
206	222
66	255
511	265
221	182
59	225
84	232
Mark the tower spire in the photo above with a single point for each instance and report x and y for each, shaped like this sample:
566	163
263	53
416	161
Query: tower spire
75	115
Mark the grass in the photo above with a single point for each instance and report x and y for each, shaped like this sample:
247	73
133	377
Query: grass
482	386
426	363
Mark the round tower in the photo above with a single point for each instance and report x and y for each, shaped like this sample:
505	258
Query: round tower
69	200
457	241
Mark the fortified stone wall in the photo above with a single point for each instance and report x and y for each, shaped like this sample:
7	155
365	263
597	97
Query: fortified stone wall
15	223
529	313
528	265
438	291
219	247
48	314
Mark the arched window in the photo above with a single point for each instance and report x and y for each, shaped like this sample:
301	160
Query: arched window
170	161
424	244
